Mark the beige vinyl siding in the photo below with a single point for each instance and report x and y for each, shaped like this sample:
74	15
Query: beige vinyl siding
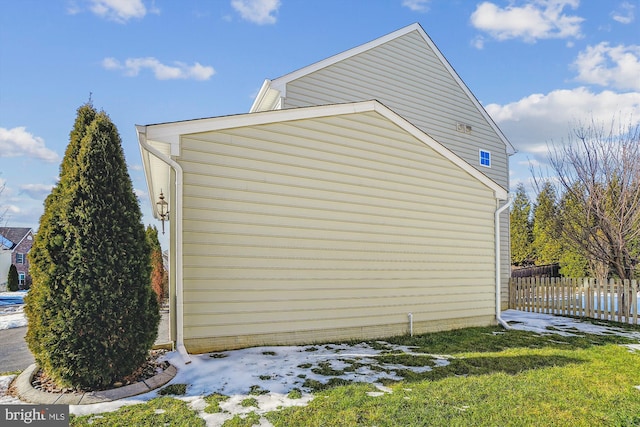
326	229
408	77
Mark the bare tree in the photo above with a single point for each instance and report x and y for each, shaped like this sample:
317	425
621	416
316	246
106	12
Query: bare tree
598	169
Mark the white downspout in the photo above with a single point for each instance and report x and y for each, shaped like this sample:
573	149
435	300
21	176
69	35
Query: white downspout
498	272
177	221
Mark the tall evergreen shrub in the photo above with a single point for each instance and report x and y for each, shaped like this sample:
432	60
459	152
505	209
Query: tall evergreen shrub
157	266
92	315
12	279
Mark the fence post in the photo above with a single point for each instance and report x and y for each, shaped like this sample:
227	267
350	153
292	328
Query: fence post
589	284
634	298
623	304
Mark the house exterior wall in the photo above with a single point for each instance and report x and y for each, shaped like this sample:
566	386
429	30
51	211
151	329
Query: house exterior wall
5	264
23	248
329	228
407	76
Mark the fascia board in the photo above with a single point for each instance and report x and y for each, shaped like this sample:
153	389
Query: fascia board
280	82
173	131
152	186
510	148
259	102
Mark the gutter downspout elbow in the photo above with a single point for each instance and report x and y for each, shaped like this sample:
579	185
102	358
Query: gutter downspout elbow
497	254
142	139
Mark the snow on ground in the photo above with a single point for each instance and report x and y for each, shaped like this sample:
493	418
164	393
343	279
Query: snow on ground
547	323
279	370
276	370
11	310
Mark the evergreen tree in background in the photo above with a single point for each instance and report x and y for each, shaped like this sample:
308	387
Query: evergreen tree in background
547	245
92	315
157	266
12	279
520	224
573	259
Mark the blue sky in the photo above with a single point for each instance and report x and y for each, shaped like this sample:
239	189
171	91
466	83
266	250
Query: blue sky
538	67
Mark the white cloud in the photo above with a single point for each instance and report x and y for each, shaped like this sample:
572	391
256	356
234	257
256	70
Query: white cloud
36	191
537	19
118	10
625	14
179	70
257	11
417	5
604	65
537	119
140	194
18	142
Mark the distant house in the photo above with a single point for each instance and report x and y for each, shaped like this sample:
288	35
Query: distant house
361	197
15	244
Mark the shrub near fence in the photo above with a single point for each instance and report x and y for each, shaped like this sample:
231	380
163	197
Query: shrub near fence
615	300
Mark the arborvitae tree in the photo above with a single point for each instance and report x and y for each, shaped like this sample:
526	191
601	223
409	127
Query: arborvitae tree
12	279
573	259
92	315
547	245
157	266
520	223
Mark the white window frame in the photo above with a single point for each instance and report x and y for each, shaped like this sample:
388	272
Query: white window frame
21	278
481	158
20	258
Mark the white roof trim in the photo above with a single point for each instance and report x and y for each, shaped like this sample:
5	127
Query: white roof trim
264	102
168	132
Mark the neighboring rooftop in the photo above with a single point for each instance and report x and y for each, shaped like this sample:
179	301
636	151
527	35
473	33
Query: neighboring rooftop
10	237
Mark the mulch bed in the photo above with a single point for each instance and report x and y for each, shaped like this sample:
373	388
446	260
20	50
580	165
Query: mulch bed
150	368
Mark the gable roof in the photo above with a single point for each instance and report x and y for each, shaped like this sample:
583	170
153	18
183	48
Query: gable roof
10	237
169	133
272	91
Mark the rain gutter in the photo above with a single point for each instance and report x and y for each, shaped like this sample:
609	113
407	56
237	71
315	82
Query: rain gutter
177	220
498	273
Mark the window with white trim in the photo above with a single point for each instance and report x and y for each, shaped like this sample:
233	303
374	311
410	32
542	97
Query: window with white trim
485	158
21	277
19	258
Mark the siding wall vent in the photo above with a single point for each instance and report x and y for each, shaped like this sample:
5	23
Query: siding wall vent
463	127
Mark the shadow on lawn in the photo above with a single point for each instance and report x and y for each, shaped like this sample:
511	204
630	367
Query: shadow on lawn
495	339
510	365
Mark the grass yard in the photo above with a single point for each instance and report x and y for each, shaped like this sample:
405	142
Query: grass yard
494	378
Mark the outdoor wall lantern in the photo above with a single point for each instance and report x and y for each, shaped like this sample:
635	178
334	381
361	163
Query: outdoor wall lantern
163	210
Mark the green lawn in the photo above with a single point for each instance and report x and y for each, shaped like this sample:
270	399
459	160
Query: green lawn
494	378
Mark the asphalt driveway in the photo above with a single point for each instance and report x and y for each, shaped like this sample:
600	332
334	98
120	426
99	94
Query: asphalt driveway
14	354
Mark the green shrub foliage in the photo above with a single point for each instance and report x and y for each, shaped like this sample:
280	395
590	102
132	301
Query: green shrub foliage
12	279
92	315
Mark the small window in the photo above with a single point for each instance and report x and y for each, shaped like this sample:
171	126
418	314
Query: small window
21	277
19	258
485	158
